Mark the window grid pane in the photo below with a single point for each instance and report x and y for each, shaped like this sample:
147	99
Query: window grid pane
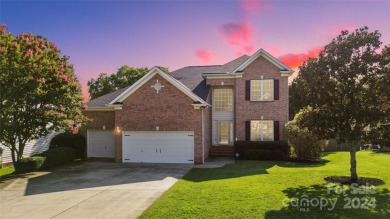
223	100
262	90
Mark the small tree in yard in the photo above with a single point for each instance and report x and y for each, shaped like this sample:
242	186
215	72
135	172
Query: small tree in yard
305	145
346	89
39	91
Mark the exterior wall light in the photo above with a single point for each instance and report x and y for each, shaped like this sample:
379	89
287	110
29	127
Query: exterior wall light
157	128
118	130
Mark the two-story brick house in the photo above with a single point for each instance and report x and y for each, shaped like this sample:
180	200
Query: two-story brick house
191	113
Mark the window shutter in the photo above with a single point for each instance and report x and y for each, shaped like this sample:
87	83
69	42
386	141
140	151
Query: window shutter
247	130
276	89
276	130
247	90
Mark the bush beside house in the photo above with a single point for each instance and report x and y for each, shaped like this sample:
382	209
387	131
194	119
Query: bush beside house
64	148
304	144
46	160
266	150
75	141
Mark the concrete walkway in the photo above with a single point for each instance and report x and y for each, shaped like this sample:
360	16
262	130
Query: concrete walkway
216	162
88	190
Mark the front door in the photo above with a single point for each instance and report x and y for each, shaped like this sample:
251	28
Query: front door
223	133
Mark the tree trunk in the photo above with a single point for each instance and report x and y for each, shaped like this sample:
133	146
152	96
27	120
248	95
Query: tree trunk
354	176
13	154
20	151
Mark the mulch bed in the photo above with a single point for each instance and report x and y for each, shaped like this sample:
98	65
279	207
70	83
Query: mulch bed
361	180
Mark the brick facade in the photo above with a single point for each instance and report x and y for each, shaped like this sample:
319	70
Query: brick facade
245	110
170	109
98	120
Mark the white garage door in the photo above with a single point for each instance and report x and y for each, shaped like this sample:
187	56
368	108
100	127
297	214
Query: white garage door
158	147
101	143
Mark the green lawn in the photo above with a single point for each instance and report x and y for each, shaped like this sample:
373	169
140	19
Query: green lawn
256	189
6	171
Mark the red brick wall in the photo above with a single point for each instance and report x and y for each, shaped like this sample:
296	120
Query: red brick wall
170	109
217	82
98	120
272	110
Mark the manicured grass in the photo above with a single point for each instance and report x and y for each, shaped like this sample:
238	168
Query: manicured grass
256	189
6	171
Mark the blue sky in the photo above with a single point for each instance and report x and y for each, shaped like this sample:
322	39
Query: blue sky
101	36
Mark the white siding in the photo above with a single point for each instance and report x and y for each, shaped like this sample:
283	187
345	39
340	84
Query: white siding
31	148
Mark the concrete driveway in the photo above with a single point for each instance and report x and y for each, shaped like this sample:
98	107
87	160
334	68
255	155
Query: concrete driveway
88	190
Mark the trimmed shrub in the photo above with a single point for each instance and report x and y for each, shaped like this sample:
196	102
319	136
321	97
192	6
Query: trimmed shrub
262	150
75	141
57	156
29	164
304	144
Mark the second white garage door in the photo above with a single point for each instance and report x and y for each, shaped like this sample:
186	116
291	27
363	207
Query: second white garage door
158	147
101	143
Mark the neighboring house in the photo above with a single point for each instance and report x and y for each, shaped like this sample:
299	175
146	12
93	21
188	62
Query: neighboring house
191	113
32	147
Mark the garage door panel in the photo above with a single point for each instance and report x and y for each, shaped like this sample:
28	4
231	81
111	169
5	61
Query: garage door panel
159	147
101	143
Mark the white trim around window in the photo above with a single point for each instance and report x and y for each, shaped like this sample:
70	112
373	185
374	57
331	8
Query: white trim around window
262	130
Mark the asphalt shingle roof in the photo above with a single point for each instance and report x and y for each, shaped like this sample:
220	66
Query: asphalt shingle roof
190	76
230	66
105	99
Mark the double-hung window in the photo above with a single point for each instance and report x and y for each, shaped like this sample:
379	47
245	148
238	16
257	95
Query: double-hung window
262	90
262	130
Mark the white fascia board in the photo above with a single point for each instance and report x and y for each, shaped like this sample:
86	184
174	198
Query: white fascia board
222	75
200	105
103	108
286	73
269	57
147	77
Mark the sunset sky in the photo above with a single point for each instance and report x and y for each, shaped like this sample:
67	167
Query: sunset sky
100	36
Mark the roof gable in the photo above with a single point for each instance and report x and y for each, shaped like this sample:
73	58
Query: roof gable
155	70
284	70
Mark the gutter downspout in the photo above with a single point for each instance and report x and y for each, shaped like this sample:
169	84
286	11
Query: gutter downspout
202	136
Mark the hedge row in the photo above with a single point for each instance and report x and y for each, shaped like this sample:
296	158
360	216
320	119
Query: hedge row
262	150
46	160
75	141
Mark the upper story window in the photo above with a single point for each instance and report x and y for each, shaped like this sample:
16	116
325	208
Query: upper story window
262	90
262	130
223	100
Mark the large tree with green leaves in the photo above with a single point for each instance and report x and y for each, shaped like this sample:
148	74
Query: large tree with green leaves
39	91
125	76
344	92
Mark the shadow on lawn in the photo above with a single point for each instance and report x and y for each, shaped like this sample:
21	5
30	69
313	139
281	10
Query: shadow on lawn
239	169
302	164
242	168
302	203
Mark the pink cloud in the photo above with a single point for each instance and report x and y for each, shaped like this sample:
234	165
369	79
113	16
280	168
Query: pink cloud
293	60
240	34
237	33
204	55
273	50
